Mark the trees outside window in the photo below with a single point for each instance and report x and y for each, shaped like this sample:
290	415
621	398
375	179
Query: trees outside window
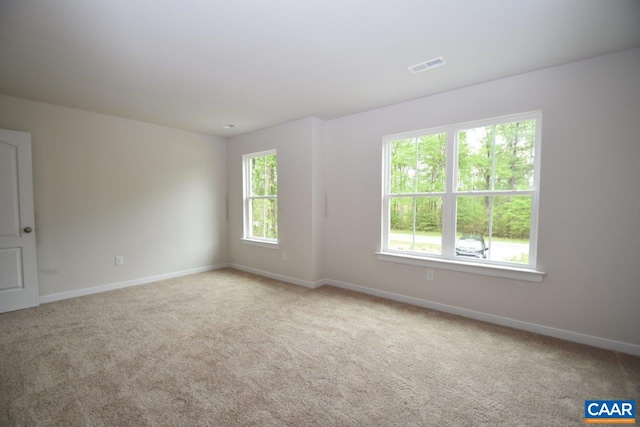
260	171
417	188
472	181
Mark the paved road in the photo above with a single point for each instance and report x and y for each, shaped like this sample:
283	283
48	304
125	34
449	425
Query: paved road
498	251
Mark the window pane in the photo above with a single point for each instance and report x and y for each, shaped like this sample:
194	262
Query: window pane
428	235
401	225
271	218
257	176
514	155
494	227
475	148
432	163
511	229
489	183
472	227
264	218
257	217
264	179
403	166
472	216
271	175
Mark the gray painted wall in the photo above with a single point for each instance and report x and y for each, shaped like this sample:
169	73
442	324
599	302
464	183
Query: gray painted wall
105	186
589	224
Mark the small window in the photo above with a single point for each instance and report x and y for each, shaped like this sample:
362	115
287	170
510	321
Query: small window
464	192
260	171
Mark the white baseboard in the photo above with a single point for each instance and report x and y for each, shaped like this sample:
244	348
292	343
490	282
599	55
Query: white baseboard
498	320
287	279
103	288
485	317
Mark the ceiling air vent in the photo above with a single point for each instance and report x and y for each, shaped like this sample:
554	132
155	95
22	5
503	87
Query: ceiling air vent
427	65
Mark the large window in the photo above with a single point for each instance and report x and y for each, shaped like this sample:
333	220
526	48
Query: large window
260	171
464	192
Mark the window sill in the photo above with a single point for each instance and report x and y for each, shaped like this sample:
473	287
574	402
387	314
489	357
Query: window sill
515	273
260	243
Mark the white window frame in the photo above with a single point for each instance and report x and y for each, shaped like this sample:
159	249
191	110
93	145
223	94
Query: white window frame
448	260
248	238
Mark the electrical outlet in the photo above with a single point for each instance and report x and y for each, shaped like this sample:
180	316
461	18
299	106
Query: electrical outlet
284	256
430	275
119	260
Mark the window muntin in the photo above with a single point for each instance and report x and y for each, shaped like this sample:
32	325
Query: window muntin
496	157
416	226
417	183
475	180
261	196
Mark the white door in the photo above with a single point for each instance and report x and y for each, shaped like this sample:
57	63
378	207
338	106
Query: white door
18	267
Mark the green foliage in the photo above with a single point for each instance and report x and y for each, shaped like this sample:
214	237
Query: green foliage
418	164
264	176
402	213
473	215
264	182
512	216
496	157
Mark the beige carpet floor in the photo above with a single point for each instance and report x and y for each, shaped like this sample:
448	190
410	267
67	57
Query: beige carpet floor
229	348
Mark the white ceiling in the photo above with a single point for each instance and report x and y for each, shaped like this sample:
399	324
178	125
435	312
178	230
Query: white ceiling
201	64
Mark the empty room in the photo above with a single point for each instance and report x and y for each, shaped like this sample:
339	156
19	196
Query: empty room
319	213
